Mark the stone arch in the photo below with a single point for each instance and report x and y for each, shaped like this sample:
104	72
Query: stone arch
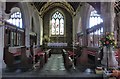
37	25
25	10
12	10
50	5
28	13
24	7
83	21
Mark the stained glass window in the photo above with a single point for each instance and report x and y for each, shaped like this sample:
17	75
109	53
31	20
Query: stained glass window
57	24
16	19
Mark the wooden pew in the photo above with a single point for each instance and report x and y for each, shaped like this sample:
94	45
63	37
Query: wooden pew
94	54
73	53
25	64
117	55
88	54
47	55
67	60
40	56
15	58
9	59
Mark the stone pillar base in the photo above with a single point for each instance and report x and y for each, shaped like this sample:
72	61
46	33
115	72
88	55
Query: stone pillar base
109	57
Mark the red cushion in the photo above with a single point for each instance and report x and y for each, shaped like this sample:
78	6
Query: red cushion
117	54
41	54
91	53
17	53
71	53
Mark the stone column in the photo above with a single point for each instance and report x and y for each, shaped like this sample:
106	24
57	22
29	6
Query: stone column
26	22
118	27
74	29
85	19
41	30
27	36
37	26
109	57
107	11
2	64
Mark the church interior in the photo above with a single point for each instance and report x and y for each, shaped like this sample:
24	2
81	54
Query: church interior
67	40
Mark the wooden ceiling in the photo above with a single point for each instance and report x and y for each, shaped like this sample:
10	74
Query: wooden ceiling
75	5
39	5
117	7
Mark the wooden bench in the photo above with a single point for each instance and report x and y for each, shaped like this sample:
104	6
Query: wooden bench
15	58
73	52
47	55
67	60
117	55
40	56
96	53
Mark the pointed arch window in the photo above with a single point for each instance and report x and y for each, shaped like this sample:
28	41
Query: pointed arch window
57	24
95	19
16	19
95	29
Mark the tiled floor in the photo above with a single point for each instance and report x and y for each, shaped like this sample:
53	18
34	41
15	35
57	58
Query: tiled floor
55	63
54	68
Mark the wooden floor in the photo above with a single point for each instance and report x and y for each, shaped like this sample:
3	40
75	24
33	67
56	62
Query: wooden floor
54	69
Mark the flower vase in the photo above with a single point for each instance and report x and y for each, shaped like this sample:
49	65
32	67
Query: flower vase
109	59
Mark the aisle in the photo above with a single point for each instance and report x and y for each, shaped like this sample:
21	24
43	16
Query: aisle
54	66
55	62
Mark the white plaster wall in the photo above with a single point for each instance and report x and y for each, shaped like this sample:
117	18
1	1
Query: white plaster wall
37	23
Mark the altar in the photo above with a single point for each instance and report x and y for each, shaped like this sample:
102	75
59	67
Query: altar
56	48
57	44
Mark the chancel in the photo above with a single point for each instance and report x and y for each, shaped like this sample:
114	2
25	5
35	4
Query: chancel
60	39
